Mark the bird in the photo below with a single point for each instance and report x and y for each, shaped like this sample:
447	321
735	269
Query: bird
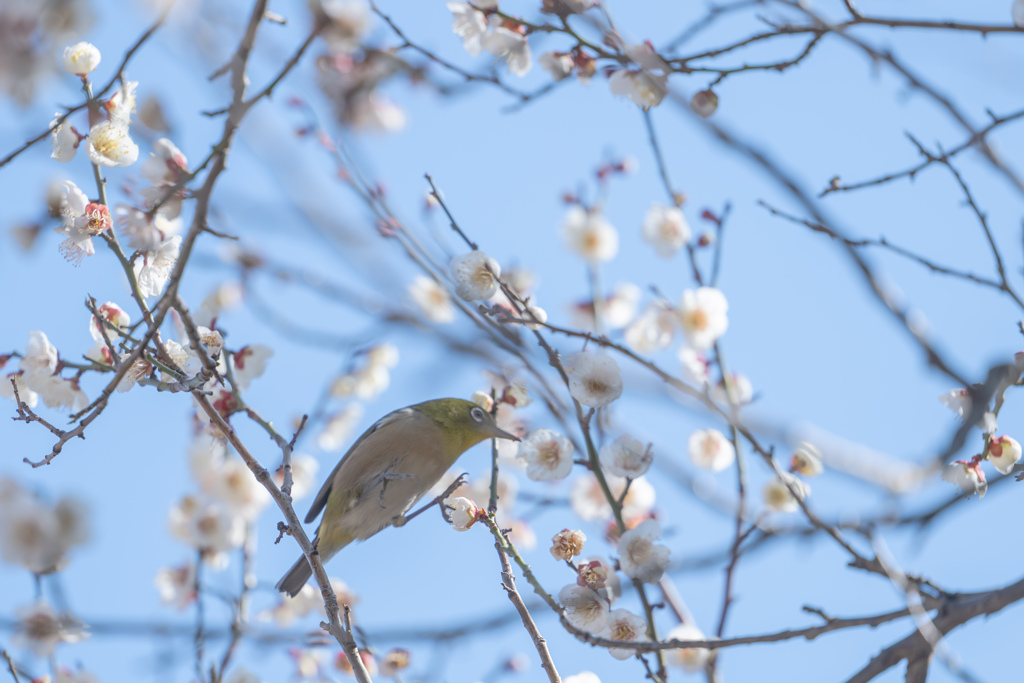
390	467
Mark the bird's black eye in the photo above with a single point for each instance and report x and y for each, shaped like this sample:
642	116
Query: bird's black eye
477	414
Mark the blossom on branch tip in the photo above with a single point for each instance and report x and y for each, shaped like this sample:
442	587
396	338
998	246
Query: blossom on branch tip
639	556
594	378
703	315
1004	452
709	449
249	362
58	392
548	455
590	235
625	626
145	231
462	512
81	59
584	608
567	544
665	228
626	457
779	498
475	276
598	574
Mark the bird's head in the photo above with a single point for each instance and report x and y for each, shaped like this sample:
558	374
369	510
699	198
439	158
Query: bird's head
463	422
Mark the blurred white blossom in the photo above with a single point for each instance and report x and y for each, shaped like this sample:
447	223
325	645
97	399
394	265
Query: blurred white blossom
665	228
709	449
474	275
627	627
626	457
778	497
590	235
703	316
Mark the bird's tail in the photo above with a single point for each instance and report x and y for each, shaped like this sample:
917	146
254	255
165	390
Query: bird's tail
292	582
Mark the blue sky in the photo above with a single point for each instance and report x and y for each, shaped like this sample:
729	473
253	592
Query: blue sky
819	350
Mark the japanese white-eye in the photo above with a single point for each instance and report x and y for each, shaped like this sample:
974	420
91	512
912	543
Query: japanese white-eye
387	470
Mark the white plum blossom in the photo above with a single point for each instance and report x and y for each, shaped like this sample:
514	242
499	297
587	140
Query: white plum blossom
475	276
109	144
385	355
582	677
703	316
505	42
37	536
432	298
9	381
779	498
639	556
594	378
76	218
806	460
226	296
590	235
122	104
548	455
154	267
347	21
710	450
140	369
617	309
64	140
959	401
743	390
58	392
597	573
177	585
238	488
584	608
114	316
366	383
40	629
567	544
666	228
209	526
695	367
690	659
625	626
81	59
39	361
967	476
212	340
1004	452
249	362
558	64
642	87
462	512
590	504
146	231
652	330
626	457
289	609
165	168
373	111
469	24
339	426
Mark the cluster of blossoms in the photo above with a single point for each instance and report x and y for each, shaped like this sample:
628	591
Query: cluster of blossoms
641	75
1003	452
367	381
38	376
36	535
350	74
316	664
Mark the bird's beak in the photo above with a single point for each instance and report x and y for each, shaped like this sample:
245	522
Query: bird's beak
502	434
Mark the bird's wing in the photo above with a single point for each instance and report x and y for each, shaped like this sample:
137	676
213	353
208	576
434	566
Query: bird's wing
321	498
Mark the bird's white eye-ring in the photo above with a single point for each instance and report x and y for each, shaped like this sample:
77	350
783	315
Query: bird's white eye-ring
477	414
